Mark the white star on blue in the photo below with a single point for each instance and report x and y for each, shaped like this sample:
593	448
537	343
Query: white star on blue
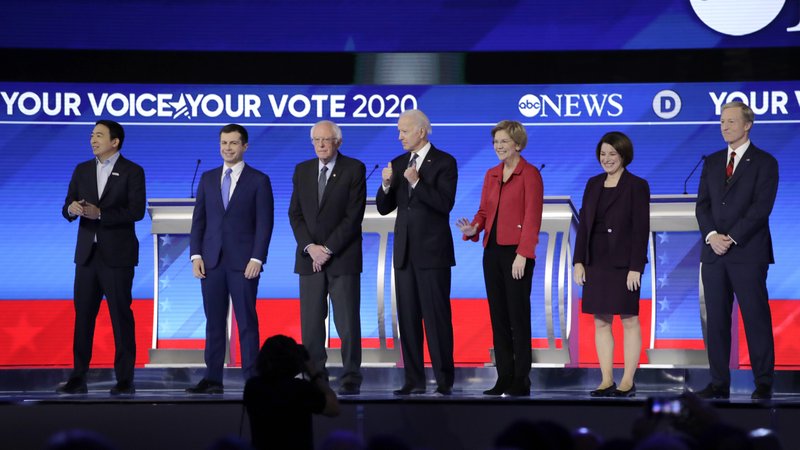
662	237
165	261
165	240
663	281
663	258
663	327
164	281
164	304
663	304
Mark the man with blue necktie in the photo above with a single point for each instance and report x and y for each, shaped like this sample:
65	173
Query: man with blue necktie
231	230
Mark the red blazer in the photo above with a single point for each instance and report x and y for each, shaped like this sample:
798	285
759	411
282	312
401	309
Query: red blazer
519	216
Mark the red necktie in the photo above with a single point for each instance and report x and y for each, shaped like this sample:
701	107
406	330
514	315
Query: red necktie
729	169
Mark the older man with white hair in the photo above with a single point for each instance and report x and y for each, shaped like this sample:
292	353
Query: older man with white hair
421	186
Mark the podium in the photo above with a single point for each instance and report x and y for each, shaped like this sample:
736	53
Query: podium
177	326
559	224
675	281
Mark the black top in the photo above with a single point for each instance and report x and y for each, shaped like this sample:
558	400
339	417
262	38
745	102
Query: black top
280	412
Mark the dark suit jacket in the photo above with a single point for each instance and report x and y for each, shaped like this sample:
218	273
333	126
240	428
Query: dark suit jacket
243	230
121	205
627	220
336	223
519	214
422	228
740	208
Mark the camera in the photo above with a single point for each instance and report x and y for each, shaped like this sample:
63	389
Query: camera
666	407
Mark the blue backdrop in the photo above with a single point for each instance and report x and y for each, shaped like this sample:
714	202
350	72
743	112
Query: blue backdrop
44	133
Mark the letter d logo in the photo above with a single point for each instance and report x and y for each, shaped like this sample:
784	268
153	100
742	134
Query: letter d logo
667	104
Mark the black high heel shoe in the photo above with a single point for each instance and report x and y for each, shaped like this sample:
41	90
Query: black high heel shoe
605	392
629	393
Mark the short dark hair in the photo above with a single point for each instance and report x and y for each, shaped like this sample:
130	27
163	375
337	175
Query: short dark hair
281	357
230	128
115	131
621	143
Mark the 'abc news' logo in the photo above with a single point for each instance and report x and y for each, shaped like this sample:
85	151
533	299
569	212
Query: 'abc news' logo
529	105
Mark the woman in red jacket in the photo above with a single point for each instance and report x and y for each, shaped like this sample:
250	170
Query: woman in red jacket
510	213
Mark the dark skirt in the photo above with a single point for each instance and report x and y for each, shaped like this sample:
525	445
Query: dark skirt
606	291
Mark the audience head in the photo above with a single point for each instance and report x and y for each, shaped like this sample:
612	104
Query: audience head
78	440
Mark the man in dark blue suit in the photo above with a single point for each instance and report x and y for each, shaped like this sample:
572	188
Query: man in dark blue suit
421	186
231	229
107	193
327	206
737	191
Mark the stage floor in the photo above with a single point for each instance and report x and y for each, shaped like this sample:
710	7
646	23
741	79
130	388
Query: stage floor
162	415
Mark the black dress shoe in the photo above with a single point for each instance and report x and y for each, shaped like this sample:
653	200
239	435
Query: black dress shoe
762	392
496	390
407	389
123	388
349	389
73	386
518	391
206	387
714	392
444	390
604	392
629	393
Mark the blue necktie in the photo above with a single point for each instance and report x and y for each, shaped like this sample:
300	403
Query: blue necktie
226	188
323	180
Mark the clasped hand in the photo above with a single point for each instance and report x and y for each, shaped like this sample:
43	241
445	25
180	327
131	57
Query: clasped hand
84	209
319	256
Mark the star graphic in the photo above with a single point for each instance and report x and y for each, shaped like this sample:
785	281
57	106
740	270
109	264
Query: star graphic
164	281
165	240
663	304
663	281
663	237
164	304
663	258
663	327
23	335
165	261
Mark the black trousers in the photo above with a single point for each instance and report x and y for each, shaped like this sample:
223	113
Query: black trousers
345	295
423	296
510	312
721	280
94	280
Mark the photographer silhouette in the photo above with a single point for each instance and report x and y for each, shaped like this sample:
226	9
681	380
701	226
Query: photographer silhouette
279	405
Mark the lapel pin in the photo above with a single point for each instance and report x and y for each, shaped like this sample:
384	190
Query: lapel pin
115	174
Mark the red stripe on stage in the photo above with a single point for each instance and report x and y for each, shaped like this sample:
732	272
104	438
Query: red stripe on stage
38	333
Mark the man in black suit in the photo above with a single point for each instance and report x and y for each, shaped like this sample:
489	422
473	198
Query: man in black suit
231	229
737	191
421	186
108	194
326	210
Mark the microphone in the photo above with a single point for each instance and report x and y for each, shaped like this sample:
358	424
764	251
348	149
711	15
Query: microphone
541	168
370	174
702	158
191	193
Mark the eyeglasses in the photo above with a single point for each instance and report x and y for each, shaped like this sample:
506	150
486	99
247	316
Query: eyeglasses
502	141
328	140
